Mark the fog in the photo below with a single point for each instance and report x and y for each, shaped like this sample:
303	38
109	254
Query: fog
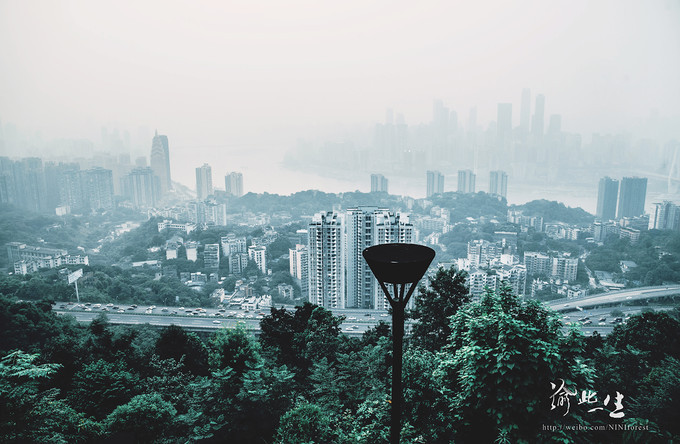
222	77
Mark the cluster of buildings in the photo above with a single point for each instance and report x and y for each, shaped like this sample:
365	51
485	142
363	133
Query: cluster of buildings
29	259
330	267
498	182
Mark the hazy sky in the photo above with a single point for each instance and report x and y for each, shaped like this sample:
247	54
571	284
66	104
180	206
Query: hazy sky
236	72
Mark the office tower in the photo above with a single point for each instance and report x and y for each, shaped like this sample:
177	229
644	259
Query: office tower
299	262
504	124
435	183
211	256
525	111
538	121
160	161
466	181
555	125
607	194
258	253
632	197
364	227
233	184
498	183
326	261
666	216
142	187
204	186
97	188
378	183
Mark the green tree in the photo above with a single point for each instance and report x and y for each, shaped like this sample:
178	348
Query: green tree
176	343
434	305
305	424
141	420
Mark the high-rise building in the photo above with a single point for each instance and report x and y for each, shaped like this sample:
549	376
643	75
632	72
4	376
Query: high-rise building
632	197
607	193
466	181
537	123
258	253
204	187
233	184
525	111
504	124
435	183
498	183
364	227
211	256
666	216
160	161
326	261
142	187
97	188
299	262
378	183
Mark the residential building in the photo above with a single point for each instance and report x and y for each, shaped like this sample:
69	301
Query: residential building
204	186
142	187
299	262
211	256
607	194
326	260
666	216
378	183
632	197
259	255
233	184
466	181
435	183
498	183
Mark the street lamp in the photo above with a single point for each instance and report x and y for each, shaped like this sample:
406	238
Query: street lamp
399	265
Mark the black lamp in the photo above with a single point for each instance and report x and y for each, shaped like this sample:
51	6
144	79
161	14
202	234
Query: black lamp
399	265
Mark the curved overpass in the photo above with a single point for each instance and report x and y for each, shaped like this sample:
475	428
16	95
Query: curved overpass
614	297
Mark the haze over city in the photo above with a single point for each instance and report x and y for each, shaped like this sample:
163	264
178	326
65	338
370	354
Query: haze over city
236	82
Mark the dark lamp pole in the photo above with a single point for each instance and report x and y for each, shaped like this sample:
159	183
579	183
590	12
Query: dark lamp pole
399	265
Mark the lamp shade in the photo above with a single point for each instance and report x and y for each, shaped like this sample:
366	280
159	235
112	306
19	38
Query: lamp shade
398	263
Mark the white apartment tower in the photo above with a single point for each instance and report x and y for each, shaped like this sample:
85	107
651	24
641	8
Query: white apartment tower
364	227
326	261
298	267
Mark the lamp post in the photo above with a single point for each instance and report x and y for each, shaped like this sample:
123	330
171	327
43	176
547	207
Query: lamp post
399	265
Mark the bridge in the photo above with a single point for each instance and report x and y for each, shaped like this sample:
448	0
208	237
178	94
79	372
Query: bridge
612	298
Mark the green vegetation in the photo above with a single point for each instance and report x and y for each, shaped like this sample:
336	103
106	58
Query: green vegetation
473	372
552	211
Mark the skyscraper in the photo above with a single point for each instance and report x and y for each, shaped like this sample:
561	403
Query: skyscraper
160	161
498	183
142	187
504	124
204	186
97	188
632	197
525	111
666	216
364	227
435	183
607	194
326	261
466	181
539	112
378	183
233	184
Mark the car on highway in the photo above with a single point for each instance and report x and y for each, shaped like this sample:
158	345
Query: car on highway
217	322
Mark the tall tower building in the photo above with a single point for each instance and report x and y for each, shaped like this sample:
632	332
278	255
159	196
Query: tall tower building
466	181
435	183
504	124
299	262
98	188
204	186
365	227
539	116
666	216
607	193
498	183
525	111
632	197
326	261
378	183
142	187
233	184
160	161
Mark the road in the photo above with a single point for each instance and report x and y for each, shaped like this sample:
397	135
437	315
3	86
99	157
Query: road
614	297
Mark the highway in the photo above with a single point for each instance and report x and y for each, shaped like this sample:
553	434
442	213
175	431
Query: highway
614	297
